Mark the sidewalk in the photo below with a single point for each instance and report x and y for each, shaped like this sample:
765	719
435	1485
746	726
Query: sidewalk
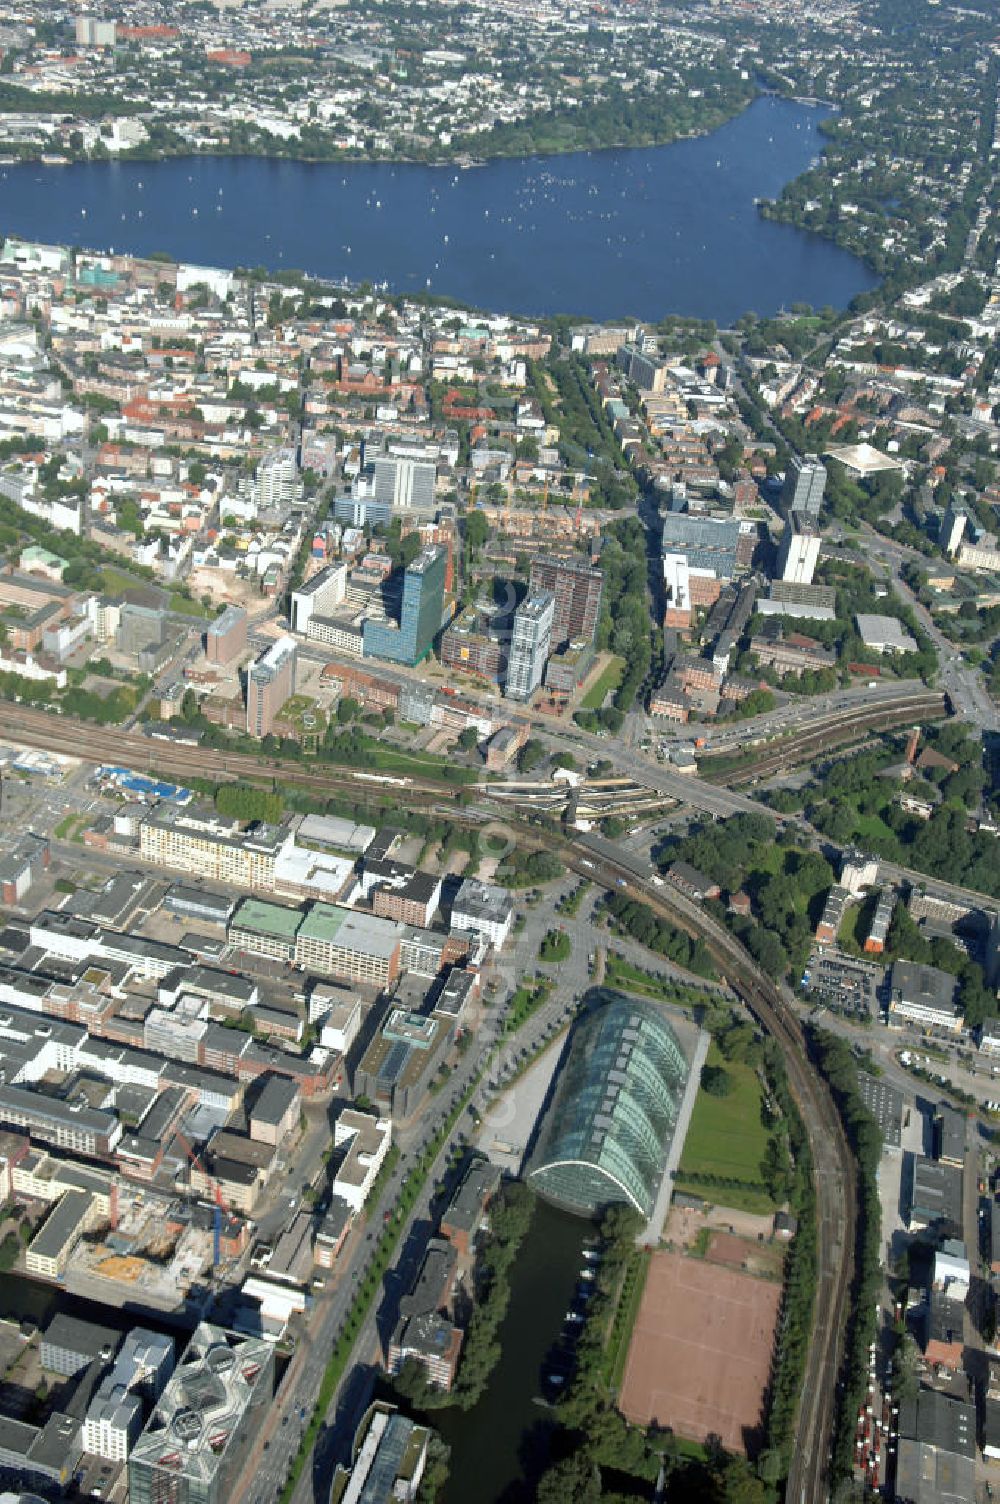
654	1227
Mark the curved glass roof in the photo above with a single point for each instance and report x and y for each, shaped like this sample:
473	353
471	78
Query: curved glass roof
607	1131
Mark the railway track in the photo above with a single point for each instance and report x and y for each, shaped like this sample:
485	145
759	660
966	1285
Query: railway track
146	754
591	858
836	731
833	1163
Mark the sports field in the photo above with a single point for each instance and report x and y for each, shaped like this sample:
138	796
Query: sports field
700	1357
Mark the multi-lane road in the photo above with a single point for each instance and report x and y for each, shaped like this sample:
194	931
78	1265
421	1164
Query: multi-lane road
613	867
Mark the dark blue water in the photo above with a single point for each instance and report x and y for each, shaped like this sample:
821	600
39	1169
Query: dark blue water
671	229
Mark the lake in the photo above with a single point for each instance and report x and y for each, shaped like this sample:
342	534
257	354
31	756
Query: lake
643	232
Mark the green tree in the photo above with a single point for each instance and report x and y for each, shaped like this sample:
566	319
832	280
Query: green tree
716	1080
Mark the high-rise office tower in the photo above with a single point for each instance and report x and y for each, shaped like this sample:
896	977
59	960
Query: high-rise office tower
270	682
405	483
577	592
530	642
805	482
420	615
206	1422
953	526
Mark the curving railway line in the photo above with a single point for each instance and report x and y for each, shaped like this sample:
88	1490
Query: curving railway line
593	858
838	730
833	1162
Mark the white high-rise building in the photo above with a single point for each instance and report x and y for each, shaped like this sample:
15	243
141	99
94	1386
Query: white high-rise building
318	596
529	645
953	525
798	553
405	483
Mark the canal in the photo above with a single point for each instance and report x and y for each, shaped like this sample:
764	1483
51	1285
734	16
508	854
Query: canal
501	1445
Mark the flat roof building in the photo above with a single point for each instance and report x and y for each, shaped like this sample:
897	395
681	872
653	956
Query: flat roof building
270	682
924	995
226	636
576	589
936	1458
69	1345
387	1462
200	1433
884	634
936	1200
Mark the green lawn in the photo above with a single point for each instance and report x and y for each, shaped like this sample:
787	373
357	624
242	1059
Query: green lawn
621	973
727	1138
867	827
116	580
609	679
69	826
188	607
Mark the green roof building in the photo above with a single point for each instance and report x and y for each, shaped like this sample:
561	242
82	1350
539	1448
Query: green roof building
608	1129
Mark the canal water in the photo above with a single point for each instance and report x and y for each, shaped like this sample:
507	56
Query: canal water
500	1446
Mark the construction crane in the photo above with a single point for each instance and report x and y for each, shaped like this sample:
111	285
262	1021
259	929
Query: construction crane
216	1190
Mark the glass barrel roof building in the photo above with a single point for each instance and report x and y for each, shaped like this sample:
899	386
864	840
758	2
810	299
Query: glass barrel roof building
609	1126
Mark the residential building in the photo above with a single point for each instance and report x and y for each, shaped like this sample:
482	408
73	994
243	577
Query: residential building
276	483
953	526
857	871
424	1332
881	920
466	1211
832	917
647	372
576	589
211	846
530	642
270	682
